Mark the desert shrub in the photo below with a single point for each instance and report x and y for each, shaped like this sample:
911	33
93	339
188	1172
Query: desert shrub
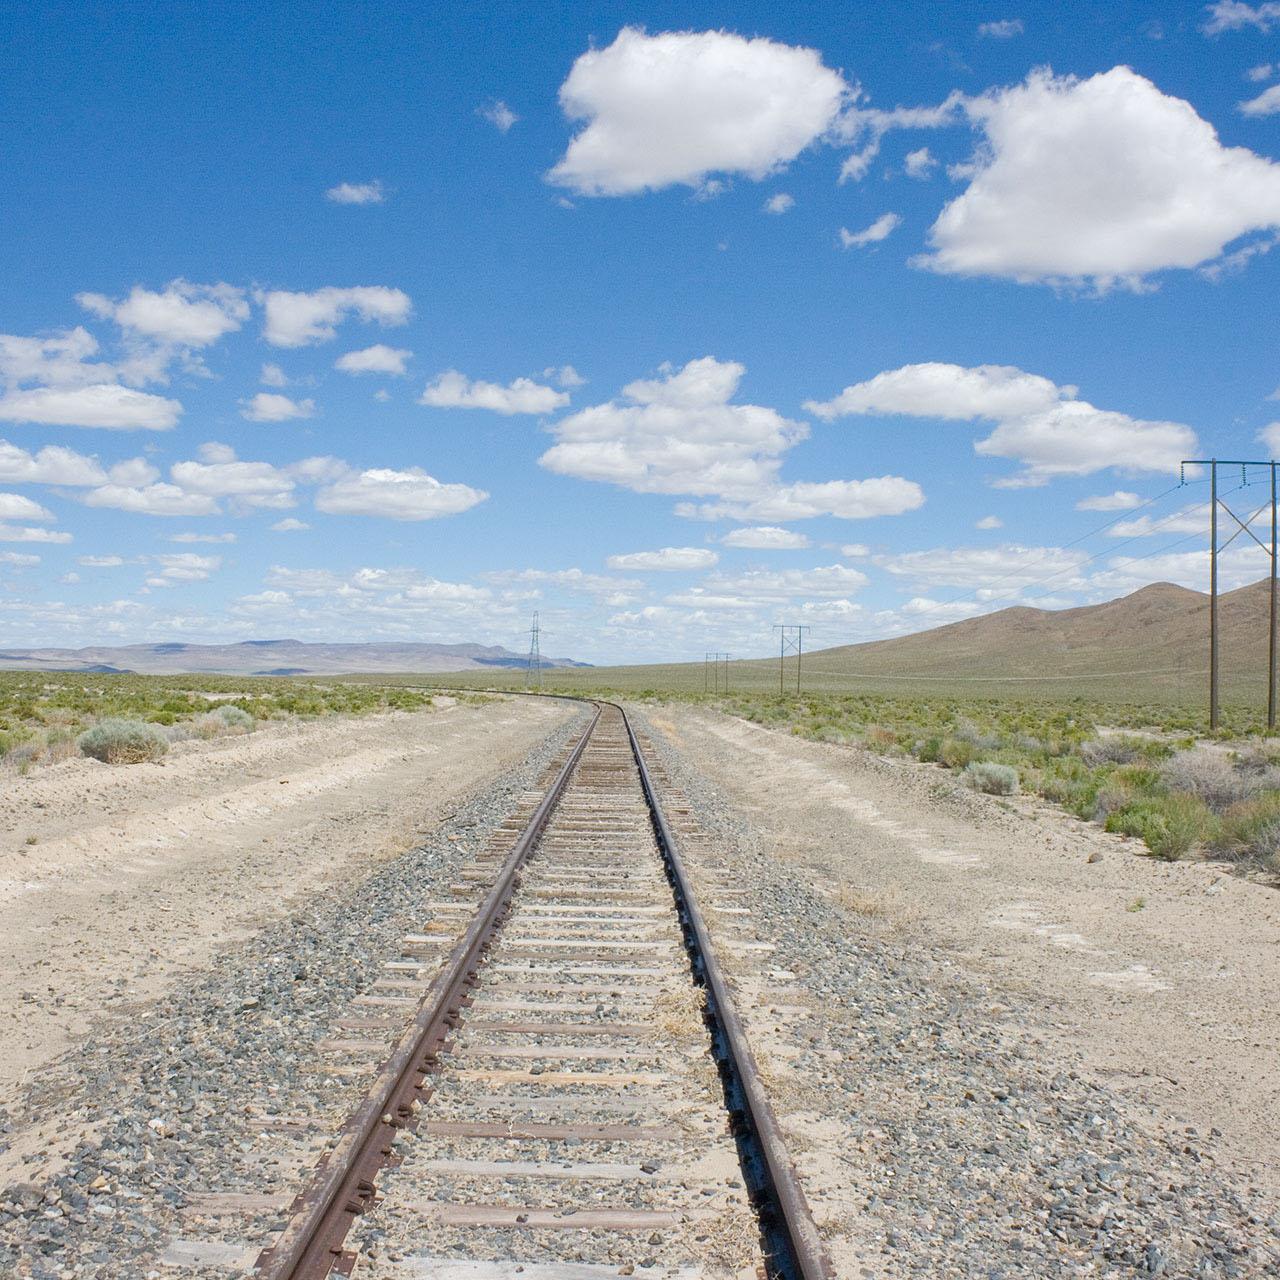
956	753
1114	794
227	718
1210	776
878	738
1171	825
1111	750
929	750
123	742
994	779
1250	831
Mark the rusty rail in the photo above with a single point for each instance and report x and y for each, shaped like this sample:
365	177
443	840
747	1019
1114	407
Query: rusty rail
343	1186
788	1217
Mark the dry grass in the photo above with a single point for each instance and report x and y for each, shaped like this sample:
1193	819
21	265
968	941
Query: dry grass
891	905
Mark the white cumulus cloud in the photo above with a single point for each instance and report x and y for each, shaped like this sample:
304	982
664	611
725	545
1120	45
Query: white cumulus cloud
881	229
765	537
378	358
779	203
157	499
357	193
1103	181
1120	500
181	314
1234	15
14	506
498	114
301	319
1267	103
995	570
989	522
289	525
1041	425
411	494
270	406
454	390
1005	29
105	405
671	559
919	164
30	533
677	107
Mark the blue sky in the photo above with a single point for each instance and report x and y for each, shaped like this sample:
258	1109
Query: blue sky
669	321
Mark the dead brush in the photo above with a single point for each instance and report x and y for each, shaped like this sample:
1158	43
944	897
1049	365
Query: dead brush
890	905
727	1244
679	1012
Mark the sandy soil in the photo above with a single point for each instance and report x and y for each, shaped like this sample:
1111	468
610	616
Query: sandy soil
1160	979
114	881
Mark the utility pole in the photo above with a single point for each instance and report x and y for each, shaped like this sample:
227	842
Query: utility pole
535	653
790	640
711	666
1244	525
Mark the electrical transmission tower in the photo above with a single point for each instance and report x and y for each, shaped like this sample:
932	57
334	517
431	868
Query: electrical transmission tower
535	653
1244	526
790	640
712	667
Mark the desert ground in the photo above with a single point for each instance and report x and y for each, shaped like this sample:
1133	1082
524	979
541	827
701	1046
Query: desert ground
994	1034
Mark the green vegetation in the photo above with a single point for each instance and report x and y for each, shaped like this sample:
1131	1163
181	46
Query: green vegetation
48	716
116	741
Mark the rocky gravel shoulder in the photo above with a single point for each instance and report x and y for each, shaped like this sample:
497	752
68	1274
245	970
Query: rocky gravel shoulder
938	1128
104	1158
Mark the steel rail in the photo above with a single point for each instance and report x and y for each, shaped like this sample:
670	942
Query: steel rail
311	1243
790	1218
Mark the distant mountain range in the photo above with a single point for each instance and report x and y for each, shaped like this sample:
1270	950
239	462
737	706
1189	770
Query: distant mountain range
271	658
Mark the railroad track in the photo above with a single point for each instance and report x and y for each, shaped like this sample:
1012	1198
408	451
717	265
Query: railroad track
575	1098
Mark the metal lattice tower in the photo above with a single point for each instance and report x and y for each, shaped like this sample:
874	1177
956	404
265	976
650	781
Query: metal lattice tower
535	653
791	640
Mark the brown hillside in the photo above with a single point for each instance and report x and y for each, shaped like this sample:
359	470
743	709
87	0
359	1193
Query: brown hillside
1161	630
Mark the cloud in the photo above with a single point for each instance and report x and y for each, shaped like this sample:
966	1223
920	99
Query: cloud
185	566
565	376
273	375
1102	182
1192	519
855	550
202	537
1266	103
1232	15
180	315
498	114
919	164
26	533
397	495
1005	29
679	433
105	405
14	506
828	581
1039	424
881	229
18	559
269	406
575	580
60	360
677	107
994	571
1120	500
676	434
378	358
220	474
100	562
357	193
51	465
156	499
779	203
1270	436
289	525
765	538
673	559
302	319
453	390
1260	73
805	500
989	522
864	128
